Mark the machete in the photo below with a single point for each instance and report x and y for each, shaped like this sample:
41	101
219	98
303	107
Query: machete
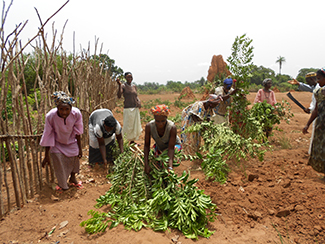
295	101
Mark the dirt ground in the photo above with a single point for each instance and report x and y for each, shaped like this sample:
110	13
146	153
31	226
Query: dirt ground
279	200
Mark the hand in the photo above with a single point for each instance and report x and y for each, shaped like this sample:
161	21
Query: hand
233	92
80	154
118	81
45	161
307	110
305	129
293	82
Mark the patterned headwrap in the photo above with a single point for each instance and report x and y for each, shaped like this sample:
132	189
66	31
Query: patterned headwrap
310	74
160	110
60	97
265	81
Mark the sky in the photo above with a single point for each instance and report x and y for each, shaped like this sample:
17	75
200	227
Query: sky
159	41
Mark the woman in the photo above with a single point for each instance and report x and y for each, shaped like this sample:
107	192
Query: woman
194	113
224	92
317	154
131	114
103	128
61	139
266	93
164	133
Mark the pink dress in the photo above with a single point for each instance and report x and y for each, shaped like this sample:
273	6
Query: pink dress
268	96
60	135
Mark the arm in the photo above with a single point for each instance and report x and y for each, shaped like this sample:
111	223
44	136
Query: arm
171	147
79	146
102	149
273	98
224	98
120	89
147	138
258	97
46	159
119	139
313	115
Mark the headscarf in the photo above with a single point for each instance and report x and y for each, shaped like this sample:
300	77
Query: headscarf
60	97
265	81
228	82
310	74
160	110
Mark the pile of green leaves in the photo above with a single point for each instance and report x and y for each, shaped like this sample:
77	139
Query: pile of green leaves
220	143
163	200
268	115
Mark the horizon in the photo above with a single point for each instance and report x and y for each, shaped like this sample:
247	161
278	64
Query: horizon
176	40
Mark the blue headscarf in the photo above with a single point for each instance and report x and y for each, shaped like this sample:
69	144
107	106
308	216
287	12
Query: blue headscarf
228	82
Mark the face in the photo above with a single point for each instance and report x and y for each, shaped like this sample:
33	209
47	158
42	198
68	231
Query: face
64	110
160	121
226	87
320	80
129	78
268	84
311	81
107	128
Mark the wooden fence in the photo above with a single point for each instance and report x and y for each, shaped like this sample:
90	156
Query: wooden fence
22	123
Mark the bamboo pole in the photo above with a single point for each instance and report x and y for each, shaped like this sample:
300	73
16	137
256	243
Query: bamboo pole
2	211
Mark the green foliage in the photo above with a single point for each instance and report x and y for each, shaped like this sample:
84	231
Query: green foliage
151	103
268	115
144	117
220	138
214	166
108	65
180	104
241	65
177	120
165	200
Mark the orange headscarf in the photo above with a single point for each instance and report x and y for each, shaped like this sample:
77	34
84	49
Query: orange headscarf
160	110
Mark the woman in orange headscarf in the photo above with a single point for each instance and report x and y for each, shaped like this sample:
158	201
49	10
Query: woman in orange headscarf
164	133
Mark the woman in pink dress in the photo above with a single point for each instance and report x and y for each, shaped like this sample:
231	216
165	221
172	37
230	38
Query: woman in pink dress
266	93
61	139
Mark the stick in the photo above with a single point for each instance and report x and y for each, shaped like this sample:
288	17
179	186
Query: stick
295	101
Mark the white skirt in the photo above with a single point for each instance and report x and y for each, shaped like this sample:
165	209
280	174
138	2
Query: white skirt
131	124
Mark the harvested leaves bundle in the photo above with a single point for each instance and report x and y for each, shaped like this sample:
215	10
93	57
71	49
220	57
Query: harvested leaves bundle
165	200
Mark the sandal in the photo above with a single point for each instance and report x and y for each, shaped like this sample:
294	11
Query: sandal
78	186
58	189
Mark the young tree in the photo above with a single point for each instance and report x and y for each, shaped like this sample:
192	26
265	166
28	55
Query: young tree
280	60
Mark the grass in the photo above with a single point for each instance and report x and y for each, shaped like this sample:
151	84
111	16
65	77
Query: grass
284	142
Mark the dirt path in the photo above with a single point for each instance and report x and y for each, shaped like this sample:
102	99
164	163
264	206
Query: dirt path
260	203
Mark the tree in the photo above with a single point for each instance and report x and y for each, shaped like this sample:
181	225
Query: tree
280	60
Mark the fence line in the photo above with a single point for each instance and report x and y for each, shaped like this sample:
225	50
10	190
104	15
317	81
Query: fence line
26	85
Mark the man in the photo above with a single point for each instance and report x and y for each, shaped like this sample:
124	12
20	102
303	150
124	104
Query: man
310	85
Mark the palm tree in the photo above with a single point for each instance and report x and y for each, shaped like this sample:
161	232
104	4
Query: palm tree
280	60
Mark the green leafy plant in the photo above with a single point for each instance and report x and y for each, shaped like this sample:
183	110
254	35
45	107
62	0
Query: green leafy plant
268	115
145	117
221	143
163	200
